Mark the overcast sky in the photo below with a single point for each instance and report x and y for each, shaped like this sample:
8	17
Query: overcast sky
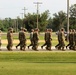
13	8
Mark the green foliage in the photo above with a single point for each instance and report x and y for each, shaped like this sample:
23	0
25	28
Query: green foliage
31	21
73	16
58	20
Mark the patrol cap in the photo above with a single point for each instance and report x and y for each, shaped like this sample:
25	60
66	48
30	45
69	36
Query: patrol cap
50	30
62	29
36	29
25	29
10	29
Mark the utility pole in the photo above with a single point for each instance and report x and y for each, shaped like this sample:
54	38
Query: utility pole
22	18
68	16
67	20
22	15
37	3
24	11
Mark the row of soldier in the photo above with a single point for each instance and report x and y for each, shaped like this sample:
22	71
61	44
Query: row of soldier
70	37
34	38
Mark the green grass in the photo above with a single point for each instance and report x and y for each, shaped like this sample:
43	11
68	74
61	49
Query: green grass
37	63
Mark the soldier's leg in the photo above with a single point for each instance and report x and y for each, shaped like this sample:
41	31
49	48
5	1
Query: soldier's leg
0	44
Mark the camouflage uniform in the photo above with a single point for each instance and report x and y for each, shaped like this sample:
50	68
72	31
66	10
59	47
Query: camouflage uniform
22	39
69	36
31	38
58	34
72	41
49	39
61	38
35	39
45	38
10	39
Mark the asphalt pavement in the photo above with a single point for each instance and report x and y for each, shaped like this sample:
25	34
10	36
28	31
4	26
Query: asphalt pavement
3	48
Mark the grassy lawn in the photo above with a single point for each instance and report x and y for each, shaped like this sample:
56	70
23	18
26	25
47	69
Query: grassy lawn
37	63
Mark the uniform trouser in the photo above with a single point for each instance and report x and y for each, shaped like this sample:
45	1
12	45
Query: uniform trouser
58	43
35	45
72	45
44	44
75	45
22	44
31	43
10	44
61	45
69	43
48	45
0	43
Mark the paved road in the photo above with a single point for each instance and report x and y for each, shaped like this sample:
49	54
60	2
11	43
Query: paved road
3	48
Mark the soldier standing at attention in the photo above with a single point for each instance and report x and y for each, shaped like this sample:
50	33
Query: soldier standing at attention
10	39
35	39
31	38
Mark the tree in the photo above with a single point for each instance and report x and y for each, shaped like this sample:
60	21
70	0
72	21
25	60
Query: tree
73	16
31	21
58	20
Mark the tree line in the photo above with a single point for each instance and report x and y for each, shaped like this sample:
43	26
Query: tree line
58	21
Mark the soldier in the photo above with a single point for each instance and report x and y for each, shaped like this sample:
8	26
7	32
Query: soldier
19	37
72	40
58	36
31	38
69	38
62	38
45	38
10	39
23	45
0	39
22	39
49	39
35	39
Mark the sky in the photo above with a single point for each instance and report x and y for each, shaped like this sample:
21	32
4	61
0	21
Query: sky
13	8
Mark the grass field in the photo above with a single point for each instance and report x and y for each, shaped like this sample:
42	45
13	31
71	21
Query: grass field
37	63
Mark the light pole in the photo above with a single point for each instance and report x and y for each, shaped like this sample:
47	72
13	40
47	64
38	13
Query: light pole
24	11
22	19
68	16
22	15
37	10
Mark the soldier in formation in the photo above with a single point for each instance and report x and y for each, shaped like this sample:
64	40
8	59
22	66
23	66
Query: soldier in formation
22	39
48	39
10	39
35	39
61	39
72	39
31	38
